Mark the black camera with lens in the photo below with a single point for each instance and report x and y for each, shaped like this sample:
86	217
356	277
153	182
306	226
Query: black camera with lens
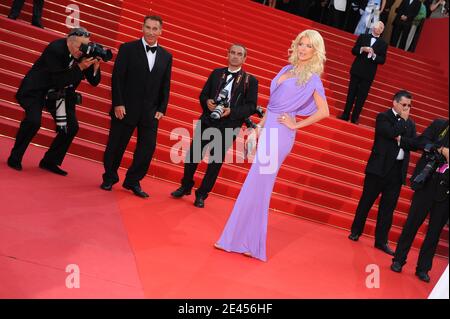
259	112
222	102
433	160
67	94
95	50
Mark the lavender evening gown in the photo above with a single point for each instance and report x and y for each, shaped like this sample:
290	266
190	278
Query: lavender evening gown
246	229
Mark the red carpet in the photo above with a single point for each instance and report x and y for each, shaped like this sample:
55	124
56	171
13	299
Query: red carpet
163	248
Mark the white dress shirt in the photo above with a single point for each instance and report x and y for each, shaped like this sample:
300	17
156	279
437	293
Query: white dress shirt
230	85
401	152
151	57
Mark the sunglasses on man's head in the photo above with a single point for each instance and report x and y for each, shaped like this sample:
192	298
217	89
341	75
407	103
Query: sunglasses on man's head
79	33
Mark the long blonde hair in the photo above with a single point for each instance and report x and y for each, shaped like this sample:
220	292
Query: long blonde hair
316	64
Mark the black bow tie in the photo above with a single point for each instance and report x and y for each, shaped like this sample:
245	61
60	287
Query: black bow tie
398	116
233	74
149	48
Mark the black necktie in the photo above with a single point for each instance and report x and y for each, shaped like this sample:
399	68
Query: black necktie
149	48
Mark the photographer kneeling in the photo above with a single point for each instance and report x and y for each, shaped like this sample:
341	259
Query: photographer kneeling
430	182
228	98
51	83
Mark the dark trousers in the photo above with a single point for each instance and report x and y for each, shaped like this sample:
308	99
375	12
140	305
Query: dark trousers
198	150
119	136
400	31
17	5
30	126
422	204
336	18
389	187
358	89
351	20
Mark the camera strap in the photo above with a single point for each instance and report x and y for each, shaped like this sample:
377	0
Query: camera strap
443	133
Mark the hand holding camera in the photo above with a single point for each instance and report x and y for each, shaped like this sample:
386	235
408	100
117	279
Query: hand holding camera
434	159
86	63
222	106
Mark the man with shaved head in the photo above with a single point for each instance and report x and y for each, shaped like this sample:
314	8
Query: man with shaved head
370	51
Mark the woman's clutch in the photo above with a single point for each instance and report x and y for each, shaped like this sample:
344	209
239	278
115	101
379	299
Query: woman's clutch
250	144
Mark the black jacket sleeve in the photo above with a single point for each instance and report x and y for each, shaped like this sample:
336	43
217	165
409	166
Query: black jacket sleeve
248	107
165	88
430	135
384	126
381	55
408	142
93	80
119	76
357	47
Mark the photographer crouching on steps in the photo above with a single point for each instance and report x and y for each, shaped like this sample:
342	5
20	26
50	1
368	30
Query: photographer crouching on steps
51	83
430	182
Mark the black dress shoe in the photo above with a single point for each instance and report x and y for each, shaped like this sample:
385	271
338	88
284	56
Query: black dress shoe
136	189
199	201
106	186
180	192
342	117
422	275
396	266
356	122
385	248
37	24
14	164
12	17
353	237
52	168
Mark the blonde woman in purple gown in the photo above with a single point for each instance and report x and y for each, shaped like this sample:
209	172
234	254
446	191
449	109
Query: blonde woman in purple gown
296	90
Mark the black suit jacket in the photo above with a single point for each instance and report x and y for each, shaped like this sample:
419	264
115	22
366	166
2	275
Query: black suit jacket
385	147
429	136
362	66
51	71
409	10
243	101
143	93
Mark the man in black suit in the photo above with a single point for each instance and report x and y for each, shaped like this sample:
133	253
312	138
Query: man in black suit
242	94
386	169
60	68
402	23
432	196
370	50
38	5
140	94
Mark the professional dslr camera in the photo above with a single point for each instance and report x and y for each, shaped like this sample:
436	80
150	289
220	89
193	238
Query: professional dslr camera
434	160
249	123
95	50
67	94
222	102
